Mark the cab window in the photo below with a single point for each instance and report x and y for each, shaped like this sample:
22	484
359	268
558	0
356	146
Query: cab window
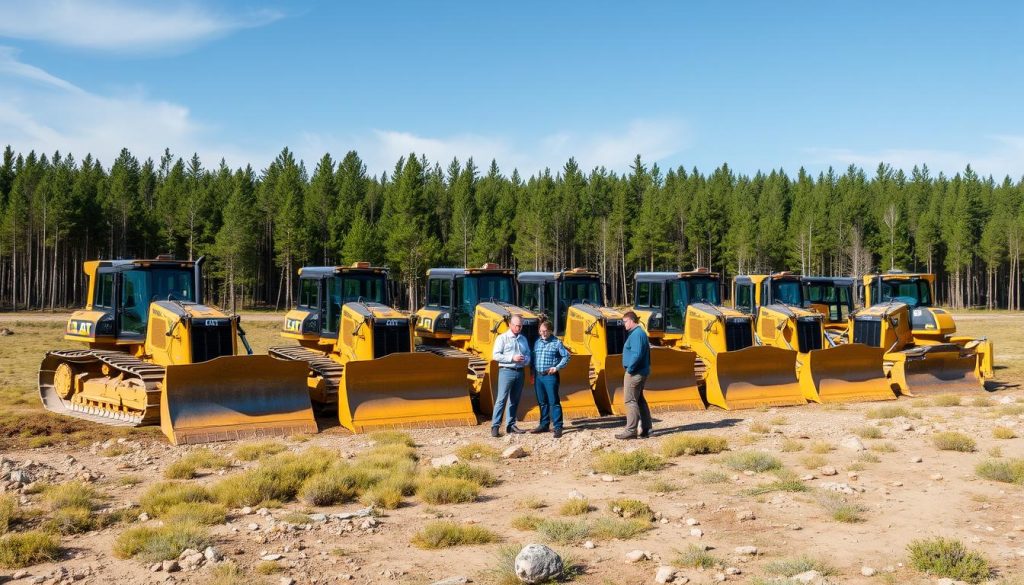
745	298
104	295
439	292
529	295
648	294
309	293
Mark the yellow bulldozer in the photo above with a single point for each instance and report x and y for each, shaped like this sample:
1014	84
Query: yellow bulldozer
573	301
361	358
466	309
828	371
935	359
156	354
682	310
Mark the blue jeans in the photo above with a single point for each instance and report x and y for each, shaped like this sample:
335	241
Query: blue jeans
546	388
510	389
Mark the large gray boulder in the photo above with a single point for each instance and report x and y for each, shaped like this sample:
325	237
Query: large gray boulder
537	563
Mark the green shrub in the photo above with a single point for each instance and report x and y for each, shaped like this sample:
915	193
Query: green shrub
388	494
945	557
531	503
693	445
160	543
332	487
27	548
448	490
696	557
205	513
633	462
840	509
392	438
163	496
786	482
710	476
526	522
187	466
10	512
575	507
627	508
254	451
801	564
1006	471
443	534
756	461
953	441
466	471
662	486
625	529
276	479
563	531
477	451
74	494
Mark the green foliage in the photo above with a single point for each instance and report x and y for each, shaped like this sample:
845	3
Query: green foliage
693	445
697	557
160	543
628	508
1006	471
756	461
160	498
945	557
630	463
445	534
575	507
466	471
24	549
448	490
953	441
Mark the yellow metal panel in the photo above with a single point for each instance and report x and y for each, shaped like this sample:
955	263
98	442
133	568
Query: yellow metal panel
405	390
574	392
235	397
850	372
753	377
936	371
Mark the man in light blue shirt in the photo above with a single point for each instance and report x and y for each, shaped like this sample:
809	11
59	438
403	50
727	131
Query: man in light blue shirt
636	360
512	352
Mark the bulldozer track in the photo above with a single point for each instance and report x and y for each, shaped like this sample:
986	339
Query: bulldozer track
477	366
122	364
320	363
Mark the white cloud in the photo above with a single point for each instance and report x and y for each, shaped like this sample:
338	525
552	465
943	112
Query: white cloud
41	112
654	140
1001	156
120	24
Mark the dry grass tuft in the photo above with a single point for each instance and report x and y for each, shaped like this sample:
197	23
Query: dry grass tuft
1004	433
472	473
888	411
627	508
254	451
696	557
1006	471
797	565
869	432
444	534
945	557
448	490
841	509
946	400
756	461
27	548
953	441
575	507
160	543
633	462
693	445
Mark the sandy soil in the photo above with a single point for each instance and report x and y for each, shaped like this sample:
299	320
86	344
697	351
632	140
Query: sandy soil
908	488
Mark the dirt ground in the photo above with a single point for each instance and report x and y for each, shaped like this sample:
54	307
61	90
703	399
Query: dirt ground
905	486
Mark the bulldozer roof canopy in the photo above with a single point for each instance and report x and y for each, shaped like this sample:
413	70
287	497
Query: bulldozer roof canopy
119	265
328	271
552	276
670	276
457	272
835	280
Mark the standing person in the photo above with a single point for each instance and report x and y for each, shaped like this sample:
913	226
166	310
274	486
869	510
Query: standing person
549	356
636	360
512	352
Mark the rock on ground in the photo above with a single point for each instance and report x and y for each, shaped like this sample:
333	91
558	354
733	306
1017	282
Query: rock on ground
537	563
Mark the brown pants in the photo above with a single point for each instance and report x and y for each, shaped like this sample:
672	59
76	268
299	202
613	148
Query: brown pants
637	410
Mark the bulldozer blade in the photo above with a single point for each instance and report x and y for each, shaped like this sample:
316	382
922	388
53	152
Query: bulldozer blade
235	397
574	392
754	376
851	372
940	369
405	390
671	385
985	366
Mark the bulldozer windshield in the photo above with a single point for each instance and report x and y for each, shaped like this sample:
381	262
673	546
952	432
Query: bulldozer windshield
788	292
914	292
836	297
142	286
349	288
473	289
684	292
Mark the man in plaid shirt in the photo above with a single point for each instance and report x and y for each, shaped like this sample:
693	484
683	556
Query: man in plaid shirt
549	356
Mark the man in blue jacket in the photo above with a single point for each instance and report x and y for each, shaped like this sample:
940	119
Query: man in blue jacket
636	360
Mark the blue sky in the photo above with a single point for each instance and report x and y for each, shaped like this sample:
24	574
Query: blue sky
756	84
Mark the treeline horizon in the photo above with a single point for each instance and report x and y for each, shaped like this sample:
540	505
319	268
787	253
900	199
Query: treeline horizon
256	228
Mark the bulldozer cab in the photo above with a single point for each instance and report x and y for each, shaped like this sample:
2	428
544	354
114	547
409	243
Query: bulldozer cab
120	293
751	291
662	298
453	294
323	293
913	290
552	293
830	296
